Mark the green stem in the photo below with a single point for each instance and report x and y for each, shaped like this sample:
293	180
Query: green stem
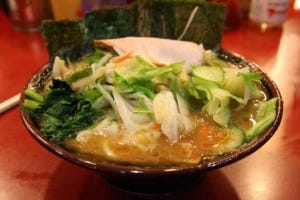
32	94
30	104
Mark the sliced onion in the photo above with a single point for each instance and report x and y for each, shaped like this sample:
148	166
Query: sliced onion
165	113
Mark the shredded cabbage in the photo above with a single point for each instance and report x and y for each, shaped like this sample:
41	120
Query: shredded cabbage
142	94
265	116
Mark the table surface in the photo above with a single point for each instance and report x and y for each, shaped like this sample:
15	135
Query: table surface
28	171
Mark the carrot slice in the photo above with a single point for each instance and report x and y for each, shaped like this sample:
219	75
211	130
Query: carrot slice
121	58
156	127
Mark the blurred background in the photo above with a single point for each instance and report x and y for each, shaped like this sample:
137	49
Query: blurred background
26	15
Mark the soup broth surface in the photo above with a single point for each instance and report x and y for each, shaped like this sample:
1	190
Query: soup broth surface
150	147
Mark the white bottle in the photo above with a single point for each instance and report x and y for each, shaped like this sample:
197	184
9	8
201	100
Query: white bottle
269	13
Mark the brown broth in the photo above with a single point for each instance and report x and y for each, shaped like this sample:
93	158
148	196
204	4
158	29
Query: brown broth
207	139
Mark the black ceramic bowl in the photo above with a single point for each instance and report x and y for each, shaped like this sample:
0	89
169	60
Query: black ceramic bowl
156	179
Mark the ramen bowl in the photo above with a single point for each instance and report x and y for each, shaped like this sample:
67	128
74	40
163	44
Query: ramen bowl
156	178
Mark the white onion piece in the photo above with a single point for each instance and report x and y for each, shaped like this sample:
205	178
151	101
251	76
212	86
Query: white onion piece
165	113
183	114
103	60
125	113
107	96
82	83
59	67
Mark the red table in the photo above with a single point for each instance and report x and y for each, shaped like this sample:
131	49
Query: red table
28	171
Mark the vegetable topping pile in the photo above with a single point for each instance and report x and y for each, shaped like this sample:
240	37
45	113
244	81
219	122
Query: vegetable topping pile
108	88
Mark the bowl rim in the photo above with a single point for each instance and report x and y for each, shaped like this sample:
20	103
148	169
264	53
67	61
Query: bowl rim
110	167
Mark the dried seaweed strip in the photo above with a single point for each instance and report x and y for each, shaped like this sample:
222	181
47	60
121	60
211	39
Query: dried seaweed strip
111	23
167	19
67	39
153	18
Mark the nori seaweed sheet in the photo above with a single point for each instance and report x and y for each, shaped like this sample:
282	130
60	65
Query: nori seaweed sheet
111	23
67	39
167	19
149	18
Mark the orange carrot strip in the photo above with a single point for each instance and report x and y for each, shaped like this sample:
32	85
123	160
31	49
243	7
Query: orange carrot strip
121	58
156	127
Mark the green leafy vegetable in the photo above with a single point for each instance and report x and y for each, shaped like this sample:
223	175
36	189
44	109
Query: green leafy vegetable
30	105
143	108
137	75
138	94
217	87
79	75
32	94
33	100
251	78
212	59
265	116
94	58
210	73
63	113
142	85
92	94
236	136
